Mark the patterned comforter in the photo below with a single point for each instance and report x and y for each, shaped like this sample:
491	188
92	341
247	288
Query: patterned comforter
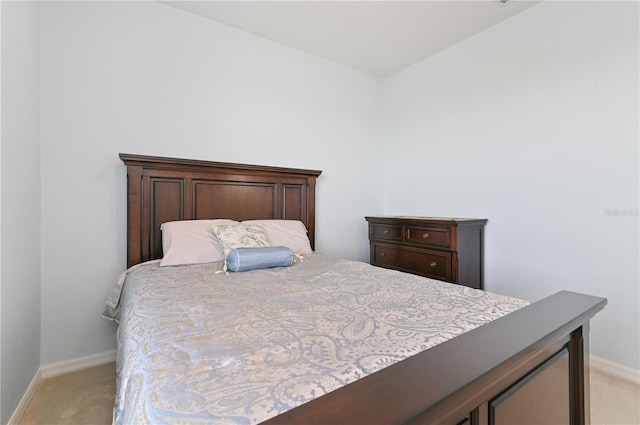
199	347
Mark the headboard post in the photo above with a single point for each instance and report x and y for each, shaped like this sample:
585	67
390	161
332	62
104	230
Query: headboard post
167	189
134	215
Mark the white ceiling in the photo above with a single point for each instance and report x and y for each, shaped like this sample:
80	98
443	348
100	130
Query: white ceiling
381	37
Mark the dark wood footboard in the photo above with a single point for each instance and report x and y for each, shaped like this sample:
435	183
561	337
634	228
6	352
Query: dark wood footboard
529	367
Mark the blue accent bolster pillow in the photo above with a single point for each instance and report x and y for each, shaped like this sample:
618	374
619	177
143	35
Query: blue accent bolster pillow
243	259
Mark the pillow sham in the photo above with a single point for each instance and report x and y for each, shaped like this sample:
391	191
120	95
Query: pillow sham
233	236
245	259
191	242
289	233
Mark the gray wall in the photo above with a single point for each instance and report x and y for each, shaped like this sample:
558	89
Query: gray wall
533	124
145	78
20	211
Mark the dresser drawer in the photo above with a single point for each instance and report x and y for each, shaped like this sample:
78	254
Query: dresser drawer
391	232
433	264
438	237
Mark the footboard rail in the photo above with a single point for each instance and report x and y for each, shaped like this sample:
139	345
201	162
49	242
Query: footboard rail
531	366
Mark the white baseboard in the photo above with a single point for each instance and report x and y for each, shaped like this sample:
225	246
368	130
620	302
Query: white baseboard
16	418
66	366
55	369
614	369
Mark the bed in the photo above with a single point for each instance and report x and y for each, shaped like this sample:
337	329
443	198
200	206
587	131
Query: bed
510	363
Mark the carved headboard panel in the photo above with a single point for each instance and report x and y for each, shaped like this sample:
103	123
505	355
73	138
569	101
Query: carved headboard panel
168	189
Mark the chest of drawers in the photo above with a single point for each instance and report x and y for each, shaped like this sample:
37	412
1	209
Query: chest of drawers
449	249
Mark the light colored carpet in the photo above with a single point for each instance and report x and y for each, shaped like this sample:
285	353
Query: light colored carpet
613	400
86	398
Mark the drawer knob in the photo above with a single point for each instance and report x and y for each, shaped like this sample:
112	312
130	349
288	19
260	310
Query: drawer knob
425	236
386	231
383	254
433	264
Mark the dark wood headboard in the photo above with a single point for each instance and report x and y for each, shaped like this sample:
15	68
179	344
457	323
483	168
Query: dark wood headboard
168	189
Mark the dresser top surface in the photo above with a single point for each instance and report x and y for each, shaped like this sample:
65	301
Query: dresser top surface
425	218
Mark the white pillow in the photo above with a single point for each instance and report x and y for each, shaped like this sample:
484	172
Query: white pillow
289	233
191	242
233	236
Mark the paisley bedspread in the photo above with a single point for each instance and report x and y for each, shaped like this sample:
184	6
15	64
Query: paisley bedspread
199	347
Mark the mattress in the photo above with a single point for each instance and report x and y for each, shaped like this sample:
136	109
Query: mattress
197	346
